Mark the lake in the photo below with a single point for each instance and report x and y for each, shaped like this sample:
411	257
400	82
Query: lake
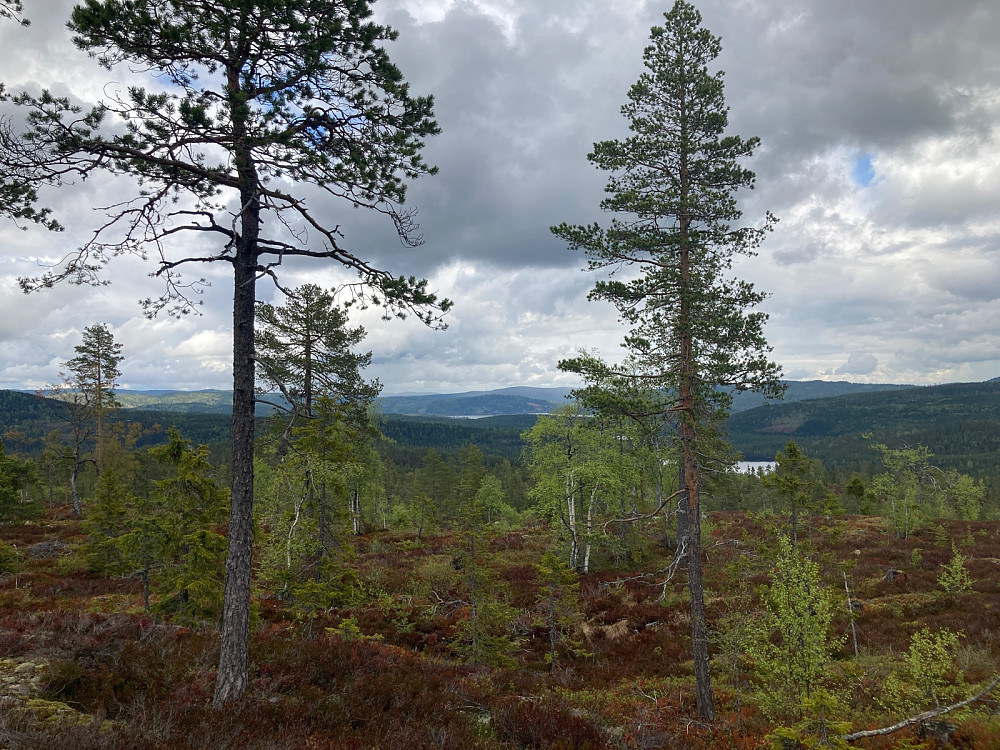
751	467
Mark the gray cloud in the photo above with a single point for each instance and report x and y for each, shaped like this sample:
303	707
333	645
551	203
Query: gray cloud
897	278
859	363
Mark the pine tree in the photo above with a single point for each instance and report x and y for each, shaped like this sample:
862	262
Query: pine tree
559	611
672	191
482	636
94	374
794	480
15	478
176	533
254	99
87	390
305	348
20	179
11	9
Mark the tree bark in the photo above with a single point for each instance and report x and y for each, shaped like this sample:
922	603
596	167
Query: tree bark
704	698
233	674
687	414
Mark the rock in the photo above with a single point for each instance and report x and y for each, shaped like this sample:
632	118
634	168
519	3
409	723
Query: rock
940	732
48	548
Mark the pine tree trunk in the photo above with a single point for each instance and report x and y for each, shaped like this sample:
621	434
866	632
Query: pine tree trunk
681	514
687	413
232	677
74	474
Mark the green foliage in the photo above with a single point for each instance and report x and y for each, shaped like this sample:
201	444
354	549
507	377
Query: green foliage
583	475
558	608
435	578
349	630
926	676
412	436
94	372
818	727
954	577
166	537
110	517
794	479
304	348
856	490
792	643
490	497
11	560
484	636
963	496
16	477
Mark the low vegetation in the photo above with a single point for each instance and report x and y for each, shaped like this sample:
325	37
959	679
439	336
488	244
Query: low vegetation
563	660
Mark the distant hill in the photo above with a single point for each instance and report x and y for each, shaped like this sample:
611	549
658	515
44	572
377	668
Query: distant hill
802	390
513	400
203	402
959	422
26	418
475	404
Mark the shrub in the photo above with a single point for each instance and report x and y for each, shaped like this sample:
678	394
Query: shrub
954	577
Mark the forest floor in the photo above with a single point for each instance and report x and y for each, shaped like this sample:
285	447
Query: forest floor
82	665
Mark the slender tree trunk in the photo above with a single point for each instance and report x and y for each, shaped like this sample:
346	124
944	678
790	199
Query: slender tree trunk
687	413
589	529
574	553
74	474
233	673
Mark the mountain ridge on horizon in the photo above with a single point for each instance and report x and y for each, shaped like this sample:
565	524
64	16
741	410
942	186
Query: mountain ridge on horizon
479	403
508	400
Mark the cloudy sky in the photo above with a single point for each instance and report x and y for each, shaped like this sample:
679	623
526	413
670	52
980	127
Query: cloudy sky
880	129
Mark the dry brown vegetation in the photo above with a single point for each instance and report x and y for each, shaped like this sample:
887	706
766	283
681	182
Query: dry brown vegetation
393	678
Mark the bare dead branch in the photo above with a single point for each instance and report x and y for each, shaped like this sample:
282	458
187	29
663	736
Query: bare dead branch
922	716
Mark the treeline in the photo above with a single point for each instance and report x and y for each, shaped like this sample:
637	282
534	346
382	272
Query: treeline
959	423
28	418
409	438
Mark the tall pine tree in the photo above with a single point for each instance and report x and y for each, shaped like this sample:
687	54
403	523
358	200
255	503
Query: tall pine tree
253	100
672	240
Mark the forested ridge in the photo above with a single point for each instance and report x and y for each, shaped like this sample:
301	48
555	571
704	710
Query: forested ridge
960	422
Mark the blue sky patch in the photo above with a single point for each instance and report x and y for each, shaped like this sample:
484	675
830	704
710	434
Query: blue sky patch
863	173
